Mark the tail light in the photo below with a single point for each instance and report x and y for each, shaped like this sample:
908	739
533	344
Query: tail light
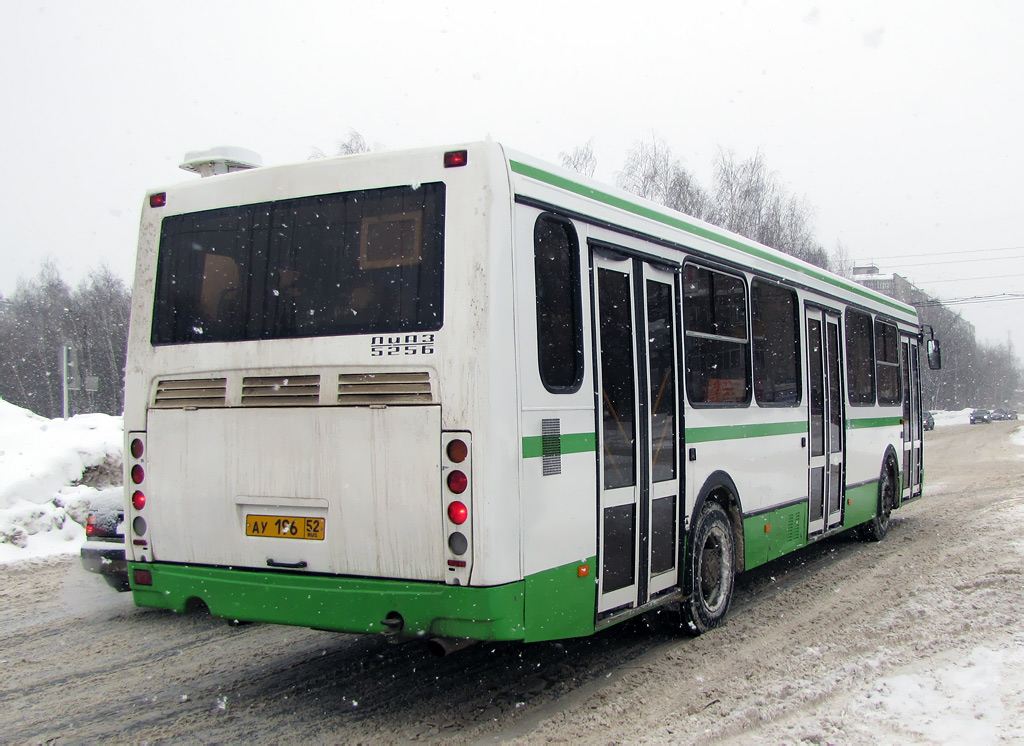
90	525
457	494
139	495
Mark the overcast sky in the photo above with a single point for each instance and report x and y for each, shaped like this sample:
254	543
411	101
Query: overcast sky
900	122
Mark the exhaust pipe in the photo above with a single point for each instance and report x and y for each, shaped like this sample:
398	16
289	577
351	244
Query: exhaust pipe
442	646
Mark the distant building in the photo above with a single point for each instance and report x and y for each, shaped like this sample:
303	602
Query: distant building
932	313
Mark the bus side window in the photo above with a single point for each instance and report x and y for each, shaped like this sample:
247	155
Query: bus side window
559	331
860	360
717	344
887	356
776	327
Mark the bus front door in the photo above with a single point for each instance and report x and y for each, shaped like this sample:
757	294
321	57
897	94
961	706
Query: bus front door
638	430
825	425
912	439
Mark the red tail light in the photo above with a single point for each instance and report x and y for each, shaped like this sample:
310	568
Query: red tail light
158	200
457	482
90	525
457	513
458	451
137	448
142	577
138	500
138	474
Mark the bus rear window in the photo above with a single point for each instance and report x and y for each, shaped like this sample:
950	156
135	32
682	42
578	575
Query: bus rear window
362	262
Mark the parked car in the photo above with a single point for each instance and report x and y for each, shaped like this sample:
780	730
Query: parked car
980	415
103	550
928	421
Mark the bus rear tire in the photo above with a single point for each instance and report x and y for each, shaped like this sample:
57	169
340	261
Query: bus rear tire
878	527
711	570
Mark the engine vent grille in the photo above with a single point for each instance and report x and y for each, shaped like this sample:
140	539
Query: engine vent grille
384	388
191	392
280	391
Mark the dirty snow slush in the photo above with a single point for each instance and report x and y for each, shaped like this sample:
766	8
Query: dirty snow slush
912	639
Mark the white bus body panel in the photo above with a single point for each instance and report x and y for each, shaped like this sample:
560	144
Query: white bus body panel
472	370
370	474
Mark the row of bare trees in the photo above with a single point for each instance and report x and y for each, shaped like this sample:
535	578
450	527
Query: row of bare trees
747	198
41	316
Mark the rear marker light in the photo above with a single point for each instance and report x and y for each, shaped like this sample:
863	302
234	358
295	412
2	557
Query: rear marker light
138	474
457	482
455	158
142	577
137	448
458	543
138	500
158	200
457	513
457	451
582	571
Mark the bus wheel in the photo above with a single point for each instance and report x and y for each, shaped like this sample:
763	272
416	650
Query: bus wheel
878	527
711	569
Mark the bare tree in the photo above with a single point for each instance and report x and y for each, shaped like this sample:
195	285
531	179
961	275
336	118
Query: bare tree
842	262
353	144
40	317
653	172
581	159
748	199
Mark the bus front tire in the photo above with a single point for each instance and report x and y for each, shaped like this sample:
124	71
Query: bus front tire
711	570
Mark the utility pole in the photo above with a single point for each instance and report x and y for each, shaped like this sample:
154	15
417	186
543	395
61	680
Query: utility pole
71	377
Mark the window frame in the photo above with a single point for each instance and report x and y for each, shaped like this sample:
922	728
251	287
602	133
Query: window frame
744	343
797	344
895	364
576	306
863	398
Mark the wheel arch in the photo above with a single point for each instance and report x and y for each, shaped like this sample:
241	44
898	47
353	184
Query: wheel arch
720	488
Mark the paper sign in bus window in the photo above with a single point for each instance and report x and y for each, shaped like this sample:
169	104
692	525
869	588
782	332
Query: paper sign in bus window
392	240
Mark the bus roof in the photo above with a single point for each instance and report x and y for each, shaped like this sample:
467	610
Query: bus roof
786	266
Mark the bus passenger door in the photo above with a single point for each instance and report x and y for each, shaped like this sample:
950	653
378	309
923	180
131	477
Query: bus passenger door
638	430
912	439
825	425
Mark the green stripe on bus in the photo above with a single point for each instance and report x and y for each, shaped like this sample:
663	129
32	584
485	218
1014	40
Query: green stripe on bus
737	432
873	422
623	204
569	443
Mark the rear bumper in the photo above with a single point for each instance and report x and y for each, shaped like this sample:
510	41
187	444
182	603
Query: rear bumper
340	604
104	557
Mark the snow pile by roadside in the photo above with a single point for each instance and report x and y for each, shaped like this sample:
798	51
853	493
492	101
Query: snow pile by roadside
51	472
944	418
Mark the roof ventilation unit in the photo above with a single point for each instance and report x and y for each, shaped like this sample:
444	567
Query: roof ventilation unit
221	160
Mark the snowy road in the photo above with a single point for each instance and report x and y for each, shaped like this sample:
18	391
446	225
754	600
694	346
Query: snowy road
916	639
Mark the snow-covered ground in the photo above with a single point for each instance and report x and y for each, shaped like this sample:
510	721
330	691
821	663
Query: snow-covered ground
51	473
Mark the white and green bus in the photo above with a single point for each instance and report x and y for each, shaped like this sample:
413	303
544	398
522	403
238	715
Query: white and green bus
463	394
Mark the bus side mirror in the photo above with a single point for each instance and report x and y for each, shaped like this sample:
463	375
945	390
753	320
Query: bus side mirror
934	354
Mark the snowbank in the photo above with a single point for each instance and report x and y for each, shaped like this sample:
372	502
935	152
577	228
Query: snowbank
959	417
51	472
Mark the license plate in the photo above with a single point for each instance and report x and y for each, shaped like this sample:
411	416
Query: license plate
285	527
